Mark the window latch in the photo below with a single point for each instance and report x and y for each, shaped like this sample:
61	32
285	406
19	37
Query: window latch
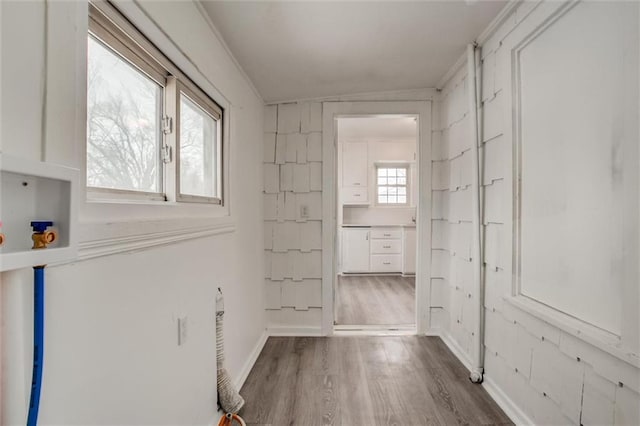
167	125
167	156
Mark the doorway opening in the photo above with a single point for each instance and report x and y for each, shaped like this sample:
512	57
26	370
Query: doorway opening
377	193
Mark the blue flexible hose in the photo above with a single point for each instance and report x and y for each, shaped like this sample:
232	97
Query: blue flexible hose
38	344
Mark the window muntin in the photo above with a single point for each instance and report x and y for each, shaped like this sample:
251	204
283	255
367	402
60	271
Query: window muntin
123	124
392	185
194	176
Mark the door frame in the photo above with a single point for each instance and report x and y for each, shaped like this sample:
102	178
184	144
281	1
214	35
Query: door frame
331	111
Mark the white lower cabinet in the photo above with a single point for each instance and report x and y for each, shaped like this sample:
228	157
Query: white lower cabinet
378	249
355	250
386	262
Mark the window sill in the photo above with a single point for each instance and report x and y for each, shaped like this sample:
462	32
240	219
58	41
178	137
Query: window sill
601	339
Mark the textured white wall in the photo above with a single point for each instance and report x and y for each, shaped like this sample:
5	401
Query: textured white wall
538	367
293	177
111	354
292	180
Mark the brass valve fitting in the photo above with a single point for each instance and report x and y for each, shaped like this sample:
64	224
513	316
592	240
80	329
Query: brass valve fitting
43	239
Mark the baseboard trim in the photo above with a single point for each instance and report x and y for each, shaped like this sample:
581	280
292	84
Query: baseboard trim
294	331
457	350
253	357
509	407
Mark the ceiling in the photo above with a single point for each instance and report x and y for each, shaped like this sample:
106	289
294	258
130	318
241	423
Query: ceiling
299	50
381	127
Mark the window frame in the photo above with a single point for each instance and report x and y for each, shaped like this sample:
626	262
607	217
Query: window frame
109	27
393	165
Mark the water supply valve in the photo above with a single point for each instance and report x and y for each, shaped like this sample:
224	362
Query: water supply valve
41	237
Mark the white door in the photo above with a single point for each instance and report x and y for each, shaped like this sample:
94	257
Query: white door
355	251
354	164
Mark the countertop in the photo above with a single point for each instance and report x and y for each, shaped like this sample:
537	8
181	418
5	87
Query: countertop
355	225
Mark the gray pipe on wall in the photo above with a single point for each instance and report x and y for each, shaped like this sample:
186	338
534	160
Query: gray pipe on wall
477	351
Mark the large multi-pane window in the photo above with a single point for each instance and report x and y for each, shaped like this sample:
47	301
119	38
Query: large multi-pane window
151	132
392	184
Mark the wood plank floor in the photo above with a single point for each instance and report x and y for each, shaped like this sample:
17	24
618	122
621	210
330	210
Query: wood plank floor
363	380
375	300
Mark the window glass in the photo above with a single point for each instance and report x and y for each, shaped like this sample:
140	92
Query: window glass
198	150
123	124
392	185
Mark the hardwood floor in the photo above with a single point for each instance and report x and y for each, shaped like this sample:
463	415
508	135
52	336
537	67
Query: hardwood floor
375	300
363	381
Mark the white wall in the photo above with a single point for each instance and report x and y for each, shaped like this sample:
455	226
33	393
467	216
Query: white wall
293	255
111	354
544	368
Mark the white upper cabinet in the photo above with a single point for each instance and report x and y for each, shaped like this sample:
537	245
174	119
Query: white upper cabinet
354	164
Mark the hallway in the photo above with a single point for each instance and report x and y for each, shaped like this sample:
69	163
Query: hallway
353	381
375	300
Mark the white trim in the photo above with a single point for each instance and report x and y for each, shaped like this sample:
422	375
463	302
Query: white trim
457	66
497	22
408	95
294	331
207	18
490	30
330	111
379	327
108	246
457	350
375	332
590	334
507	405
253	357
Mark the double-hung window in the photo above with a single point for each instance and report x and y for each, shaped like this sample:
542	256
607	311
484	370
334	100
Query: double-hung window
392	184
152	134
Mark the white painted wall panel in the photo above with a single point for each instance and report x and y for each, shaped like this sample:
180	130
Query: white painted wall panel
268	235
493	114
301	178
271	118
496	164
440	175
269	206
494	209
314	147
269	148
315	176
627	408
286	177
310	236
291	152
593	136
440	204
439	149
281	149
273	295
288	118
271	178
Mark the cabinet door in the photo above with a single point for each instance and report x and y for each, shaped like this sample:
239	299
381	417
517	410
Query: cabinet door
355	251
409	251
354	164
356	195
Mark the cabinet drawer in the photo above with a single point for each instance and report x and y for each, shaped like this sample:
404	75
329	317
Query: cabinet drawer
354	195
386	246
386	233
386	262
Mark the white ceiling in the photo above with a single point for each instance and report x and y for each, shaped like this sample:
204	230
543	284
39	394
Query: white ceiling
298	50
383	127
